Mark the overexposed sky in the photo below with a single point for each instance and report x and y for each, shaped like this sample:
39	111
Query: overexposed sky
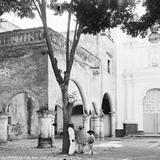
57	23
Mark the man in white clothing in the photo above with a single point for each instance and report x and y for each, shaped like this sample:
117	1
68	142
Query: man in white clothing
71	139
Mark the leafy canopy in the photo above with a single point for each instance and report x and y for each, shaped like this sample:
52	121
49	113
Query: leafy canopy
22	8
92	15
96	15
140	25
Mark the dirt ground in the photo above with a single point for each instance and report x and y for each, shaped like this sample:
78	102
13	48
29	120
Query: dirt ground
109	149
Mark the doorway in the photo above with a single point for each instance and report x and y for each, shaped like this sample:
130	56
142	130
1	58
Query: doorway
22	119
151	112
106	107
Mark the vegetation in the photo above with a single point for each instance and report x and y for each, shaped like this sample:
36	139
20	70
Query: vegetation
140	25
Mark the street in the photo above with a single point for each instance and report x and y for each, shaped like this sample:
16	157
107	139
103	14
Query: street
108	149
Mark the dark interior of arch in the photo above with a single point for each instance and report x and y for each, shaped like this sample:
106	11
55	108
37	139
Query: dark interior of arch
77	110
106	105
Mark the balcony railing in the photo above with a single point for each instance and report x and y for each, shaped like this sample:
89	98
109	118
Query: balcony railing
36	35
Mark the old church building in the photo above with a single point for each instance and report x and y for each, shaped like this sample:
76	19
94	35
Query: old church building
28	83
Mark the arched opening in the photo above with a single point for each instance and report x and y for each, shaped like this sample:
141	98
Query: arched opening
77	113
22	119
106	107
151	112
76	95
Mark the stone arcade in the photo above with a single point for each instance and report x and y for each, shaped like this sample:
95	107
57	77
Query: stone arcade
28	84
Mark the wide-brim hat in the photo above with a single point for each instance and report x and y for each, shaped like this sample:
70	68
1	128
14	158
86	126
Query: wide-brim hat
90	131
80	127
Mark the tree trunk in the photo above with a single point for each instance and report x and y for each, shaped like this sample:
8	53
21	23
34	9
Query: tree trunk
66	119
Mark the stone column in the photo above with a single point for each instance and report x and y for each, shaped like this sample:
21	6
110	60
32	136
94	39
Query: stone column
86	122
45	128
96	121
3	126
113	124
130	125
101	134
53	127
101	119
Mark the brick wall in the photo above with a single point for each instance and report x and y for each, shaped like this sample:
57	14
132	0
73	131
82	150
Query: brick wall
23	69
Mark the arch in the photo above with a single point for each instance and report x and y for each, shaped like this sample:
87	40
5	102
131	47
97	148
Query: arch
106	101
151	111
83	96
18	91
21	109
107	121
144	90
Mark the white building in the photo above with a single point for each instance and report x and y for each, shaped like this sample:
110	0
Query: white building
137	84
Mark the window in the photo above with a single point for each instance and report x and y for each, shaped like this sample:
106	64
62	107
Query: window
109	66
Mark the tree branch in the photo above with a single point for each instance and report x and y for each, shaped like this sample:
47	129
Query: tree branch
56	70
38	10
67	39
77	35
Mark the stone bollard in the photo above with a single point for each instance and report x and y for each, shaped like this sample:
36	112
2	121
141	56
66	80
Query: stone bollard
3	126
45	138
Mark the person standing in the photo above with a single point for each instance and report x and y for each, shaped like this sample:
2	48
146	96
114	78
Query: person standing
71	139
91	140
81	139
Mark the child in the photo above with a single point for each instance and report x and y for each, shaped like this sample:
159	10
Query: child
91	140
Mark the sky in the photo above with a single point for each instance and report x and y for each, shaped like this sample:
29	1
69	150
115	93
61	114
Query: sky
57	23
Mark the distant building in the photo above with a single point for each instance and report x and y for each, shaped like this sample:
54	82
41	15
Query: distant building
137	84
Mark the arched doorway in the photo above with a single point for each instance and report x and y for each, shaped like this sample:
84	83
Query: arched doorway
77	114
106	107
76	94
151	112
22	119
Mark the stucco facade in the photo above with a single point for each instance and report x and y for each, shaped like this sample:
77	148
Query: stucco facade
137	85
28	82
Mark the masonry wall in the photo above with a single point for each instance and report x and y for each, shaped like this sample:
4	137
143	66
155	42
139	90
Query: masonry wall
23	69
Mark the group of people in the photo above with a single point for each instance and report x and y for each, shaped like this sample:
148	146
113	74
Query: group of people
81	137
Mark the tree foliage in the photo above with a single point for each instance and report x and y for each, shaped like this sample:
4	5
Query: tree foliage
21	8
140	25
97	15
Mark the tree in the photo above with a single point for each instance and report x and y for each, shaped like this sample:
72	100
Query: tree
140	25
91	16
22	9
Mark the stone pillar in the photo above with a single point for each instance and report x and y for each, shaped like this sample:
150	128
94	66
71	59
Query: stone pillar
113	124
45	128
96	121
86	122
3	126
101	134
53	127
